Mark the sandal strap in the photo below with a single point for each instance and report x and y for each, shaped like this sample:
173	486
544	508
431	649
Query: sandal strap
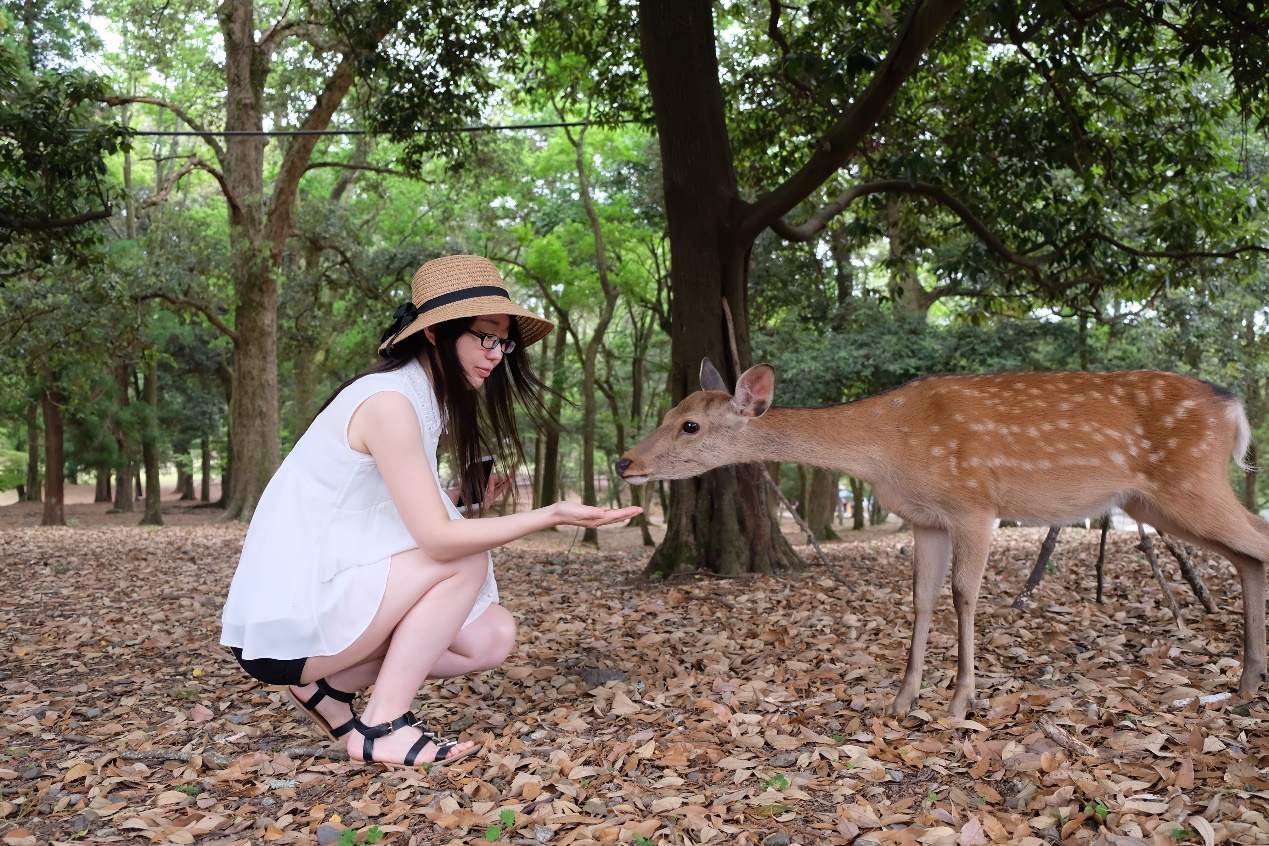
418	747
339	731
324	690
370	734
337	695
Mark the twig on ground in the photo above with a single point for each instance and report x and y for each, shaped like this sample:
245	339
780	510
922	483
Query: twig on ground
1065	739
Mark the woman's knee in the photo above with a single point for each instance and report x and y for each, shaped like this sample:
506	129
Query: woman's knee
503	633
490	638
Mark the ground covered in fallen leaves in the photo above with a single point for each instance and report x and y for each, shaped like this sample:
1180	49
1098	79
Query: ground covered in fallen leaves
740	711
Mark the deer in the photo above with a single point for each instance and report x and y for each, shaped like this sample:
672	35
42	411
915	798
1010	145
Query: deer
952	454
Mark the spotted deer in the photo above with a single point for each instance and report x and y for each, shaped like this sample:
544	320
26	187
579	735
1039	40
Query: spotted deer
950	454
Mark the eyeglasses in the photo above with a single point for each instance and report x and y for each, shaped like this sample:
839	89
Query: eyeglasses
489	341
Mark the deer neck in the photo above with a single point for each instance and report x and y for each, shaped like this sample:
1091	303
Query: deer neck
849	438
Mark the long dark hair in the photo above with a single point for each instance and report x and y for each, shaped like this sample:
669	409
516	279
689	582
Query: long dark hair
477	423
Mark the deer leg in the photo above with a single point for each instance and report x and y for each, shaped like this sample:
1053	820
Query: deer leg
1251	574
970	545
1226	528
931	554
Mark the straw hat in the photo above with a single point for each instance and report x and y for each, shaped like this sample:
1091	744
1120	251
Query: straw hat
451	287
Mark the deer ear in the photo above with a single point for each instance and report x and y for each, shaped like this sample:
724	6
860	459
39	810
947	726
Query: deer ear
710	378
754	391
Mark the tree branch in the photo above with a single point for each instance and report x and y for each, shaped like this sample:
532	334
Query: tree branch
836	147
204	133
202	308
372	168
49	223
816	224
190	164
773	32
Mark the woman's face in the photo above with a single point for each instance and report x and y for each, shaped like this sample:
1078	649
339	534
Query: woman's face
478	362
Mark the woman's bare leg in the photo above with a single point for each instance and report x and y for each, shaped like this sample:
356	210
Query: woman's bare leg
482	644
423	608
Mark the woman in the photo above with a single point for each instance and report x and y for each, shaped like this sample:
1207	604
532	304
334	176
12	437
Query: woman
358	568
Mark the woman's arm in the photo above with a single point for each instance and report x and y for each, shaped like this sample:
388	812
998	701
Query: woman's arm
387	427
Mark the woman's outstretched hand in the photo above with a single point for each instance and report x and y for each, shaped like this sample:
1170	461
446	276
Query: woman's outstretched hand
590	516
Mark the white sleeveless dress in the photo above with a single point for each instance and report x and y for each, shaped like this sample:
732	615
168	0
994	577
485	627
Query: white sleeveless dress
314	565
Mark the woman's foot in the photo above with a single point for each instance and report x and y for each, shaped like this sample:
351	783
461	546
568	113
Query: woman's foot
396	746
333	710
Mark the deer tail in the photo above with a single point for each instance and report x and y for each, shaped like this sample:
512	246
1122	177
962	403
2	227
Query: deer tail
1242	434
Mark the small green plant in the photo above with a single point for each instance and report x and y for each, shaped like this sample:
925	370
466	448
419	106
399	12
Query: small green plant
83	832
837	738
1179	834
776	782
932	795
1050	568
1097	808
349	836
188	789
506	821
640	840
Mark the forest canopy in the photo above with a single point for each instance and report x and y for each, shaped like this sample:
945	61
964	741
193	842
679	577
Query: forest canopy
208	218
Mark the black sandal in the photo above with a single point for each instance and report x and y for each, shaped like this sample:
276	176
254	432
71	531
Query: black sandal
372	733
309	707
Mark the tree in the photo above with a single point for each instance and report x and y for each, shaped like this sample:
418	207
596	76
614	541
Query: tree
435	58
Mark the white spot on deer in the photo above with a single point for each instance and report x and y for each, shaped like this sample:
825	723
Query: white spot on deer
1046	426
1172	442
1146	443
959	418
1044	464
1157	457
1142	399
975	461
934	428
1167	421
1118	458
1118	390
1099	437
971	483
896	401
1064	424
937	451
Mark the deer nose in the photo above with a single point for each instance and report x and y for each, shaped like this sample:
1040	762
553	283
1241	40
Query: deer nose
622	466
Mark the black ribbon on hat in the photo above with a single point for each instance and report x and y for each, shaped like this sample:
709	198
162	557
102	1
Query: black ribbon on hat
401	318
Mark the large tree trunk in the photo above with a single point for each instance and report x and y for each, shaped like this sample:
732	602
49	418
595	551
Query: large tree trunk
718	521
54	458
153	515
255	450
32	492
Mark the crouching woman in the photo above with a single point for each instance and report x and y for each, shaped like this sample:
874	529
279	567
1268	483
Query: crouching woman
358	570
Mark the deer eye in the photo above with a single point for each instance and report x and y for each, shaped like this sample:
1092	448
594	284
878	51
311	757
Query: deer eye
691	427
